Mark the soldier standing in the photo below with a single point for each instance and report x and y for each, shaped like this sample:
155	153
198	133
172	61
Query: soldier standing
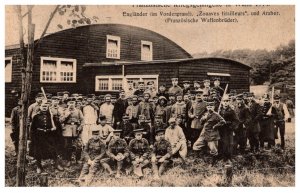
162	92
90	117
126	128
160	109
179	108
146	108
119	108
226	131
94	152
141	88
132	109
107	108
175	89
186	87
243	114
139	152
15	125
34	108
175	136
281	114
195	113
161	153
217	86
290	106
43	138
254	127
73	122
118	152
212	121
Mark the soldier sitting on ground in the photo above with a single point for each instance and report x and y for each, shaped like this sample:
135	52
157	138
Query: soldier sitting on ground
161	154
139	152
118	153
94	152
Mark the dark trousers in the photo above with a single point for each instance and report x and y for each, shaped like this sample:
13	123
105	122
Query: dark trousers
225	145
71	145
253	140
15	139
281	126
194	135
240	140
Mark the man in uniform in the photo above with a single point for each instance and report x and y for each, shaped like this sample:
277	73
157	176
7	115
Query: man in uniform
119	108
146	108
226	131
290	106
197	86
195	113
141	88
127	129
132	109
43	138
254	127
161	153
243	115
217	86
151	89
281	114
34	108
73	122
158	123
94	152
15	125
171	102
175	89
130	89
174	134
118	152
162	92
186	87
211	121
90	117
106	109
139	152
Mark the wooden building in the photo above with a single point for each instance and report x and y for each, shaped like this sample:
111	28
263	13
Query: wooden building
101	58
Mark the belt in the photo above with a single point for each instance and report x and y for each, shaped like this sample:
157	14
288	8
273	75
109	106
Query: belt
44	130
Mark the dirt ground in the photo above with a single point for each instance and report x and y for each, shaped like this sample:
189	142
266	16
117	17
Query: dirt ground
267	169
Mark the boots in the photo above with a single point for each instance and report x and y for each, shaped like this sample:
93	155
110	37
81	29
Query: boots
58	166
39	168
107	167
155	170
161	168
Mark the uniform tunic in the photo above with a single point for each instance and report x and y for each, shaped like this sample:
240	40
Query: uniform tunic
72	118
175	90
211	124
117	146
146	109
162	148
43	140
139	148
196	111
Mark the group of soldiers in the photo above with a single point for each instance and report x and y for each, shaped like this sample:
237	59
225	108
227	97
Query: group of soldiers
147	127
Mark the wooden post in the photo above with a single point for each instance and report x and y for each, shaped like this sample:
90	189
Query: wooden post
25	94
228	173
43	180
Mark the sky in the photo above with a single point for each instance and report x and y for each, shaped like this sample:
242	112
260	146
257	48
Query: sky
250	32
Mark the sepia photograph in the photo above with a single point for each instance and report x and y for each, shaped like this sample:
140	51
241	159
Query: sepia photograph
149	95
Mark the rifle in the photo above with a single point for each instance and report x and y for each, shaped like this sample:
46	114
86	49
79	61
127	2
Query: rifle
225	91
51	115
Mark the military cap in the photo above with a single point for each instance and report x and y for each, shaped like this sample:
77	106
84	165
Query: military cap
206	80
39	95
197	81
138	130
71	102
118	131
178	94
125	117
90	95
66	92
199	92
79	98
102	117
159	130
158	117
74	95
172	120
162	85
277	97
174	78
141	82
150	82
54	98
192	92
162	98
217	79
107	95
186	82
239	97
134	96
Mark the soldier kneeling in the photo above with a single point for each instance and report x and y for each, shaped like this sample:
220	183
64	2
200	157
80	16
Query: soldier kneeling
94	152
118	152
161	154
139	152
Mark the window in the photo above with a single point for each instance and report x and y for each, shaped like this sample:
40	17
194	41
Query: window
116	83
113	45
58	70
146	50
8	69
109	83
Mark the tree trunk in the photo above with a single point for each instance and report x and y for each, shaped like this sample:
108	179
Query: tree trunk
25	94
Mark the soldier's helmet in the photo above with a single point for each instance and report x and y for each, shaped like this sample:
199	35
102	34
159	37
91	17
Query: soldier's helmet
160	130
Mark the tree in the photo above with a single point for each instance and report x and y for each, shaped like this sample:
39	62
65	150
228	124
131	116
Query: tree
78	16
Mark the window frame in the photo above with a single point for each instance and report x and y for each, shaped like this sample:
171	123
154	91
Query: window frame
10	59
124	80
144	42
58	69
114	38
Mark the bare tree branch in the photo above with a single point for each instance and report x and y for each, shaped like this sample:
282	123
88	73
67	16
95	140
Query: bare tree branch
49	21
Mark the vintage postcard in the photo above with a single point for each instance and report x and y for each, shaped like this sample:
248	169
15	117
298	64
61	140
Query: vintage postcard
150	95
